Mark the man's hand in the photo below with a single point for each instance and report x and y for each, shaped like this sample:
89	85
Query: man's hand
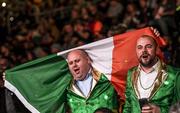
163	42
3	76
155	31
1	83
2	80
150	108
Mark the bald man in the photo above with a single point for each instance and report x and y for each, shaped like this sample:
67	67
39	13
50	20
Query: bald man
150	85
89	88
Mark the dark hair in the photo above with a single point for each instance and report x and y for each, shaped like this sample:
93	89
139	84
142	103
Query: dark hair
175	108
103	110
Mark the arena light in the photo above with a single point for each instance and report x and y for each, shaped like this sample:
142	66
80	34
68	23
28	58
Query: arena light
3	4
11	18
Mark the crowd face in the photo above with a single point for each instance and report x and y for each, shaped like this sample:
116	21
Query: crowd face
146	51
79	64
3	67
3	64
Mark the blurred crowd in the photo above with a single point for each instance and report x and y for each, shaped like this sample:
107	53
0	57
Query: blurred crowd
31	29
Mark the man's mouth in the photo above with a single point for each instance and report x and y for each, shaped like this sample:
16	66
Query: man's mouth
144	56
77	70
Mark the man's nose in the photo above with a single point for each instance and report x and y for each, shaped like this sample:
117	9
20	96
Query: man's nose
144	52
74	64
144	49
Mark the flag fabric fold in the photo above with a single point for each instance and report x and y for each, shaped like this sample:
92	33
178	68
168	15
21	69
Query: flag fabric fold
41	84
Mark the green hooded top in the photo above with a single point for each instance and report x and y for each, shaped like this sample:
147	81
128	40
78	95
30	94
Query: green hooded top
102	94
164	93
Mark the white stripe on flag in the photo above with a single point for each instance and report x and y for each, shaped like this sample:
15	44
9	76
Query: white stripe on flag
21	98
101	54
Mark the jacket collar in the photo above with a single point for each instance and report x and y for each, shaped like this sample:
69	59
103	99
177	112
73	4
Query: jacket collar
96	76
162	75
154	67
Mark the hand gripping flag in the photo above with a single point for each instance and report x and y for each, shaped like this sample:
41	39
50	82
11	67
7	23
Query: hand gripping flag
41	84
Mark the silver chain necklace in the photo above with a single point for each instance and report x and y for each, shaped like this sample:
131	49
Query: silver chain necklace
146	88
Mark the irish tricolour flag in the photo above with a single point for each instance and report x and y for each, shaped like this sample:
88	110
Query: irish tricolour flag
41	84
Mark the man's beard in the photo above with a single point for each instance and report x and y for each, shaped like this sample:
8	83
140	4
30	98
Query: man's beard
147	63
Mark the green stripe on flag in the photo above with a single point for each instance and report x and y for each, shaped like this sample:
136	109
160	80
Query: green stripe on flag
42	83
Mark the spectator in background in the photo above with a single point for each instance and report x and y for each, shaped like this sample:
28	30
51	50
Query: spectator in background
175	108
55	48
8	101
115	10
117	29
165	17
130	19
3	30
144	13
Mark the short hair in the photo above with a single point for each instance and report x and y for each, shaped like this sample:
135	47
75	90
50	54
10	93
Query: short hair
83	52
175	108
103	110
150	37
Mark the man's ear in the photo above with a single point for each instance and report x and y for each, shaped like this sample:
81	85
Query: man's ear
89	60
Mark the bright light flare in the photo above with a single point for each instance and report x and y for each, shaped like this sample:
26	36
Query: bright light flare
3	4
11	18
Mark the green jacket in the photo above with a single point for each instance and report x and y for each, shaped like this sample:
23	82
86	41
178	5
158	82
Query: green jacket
164	93
102	94
177	90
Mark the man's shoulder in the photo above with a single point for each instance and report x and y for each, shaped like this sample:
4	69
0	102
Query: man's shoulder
133	68
96	74
132	71
171	69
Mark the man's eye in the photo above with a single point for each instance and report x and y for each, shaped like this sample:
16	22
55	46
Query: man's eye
149	46
78	60
70	63
139	47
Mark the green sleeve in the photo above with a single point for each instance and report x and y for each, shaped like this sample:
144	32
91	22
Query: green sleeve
127	106
177	88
